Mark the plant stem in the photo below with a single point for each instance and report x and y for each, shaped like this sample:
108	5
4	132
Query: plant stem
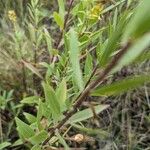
62	31
65	23
86	92
24	78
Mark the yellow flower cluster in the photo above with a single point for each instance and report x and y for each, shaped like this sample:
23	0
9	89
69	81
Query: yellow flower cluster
95	11
12	15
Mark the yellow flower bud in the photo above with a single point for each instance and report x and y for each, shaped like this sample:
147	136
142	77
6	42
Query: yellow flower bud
12	15
95	11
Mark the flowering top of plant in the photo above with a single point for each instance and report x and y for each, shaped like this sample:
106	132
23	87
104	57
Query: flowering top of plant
96	11
12	15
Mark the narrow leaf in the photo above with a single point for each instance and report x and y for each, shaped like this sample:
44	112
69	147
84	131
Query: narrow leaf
112	42
4	145
58	20
74	59
61	9
48	41
121	86
61	140
139	23
32	68
51	101
86	114
30	100
143	57
61	94
30	118
38	138
88	66
98	132
133	52
17	143
24	130
36	147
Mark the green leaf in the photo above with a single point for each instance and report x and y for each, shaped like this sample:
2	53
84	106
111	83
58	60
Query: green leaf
139	23
86	114
133	52
36	147
17	143
38	138
74	59
61	94
24	130
31	119
61	9
48	41
111	7
90	131
121	86
32	33
30	100
115	18
39	114
88	66
4	145
143	57
58	20
62	141
92	38
46	112
32	68
51	101
112	42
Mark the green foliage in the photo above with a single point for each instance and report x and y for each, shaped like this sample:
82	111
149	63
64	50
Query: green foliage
86	114
53	56
140	22
61	94
74	59
4	145
58	20
38	138
52	101
25	131
126	84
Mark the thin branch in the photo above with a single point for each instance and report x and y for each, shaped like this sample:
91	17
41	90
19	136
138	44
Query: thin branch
86	92
65	23
24	83
91	76
54	59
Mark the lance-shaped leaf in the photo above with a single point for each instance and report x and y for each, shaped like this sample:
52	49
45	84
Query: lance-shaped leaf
48	41
32	68
24	129
58	20
3	145
133	52
112	42
31	119
51	101
61	94
61	140
74	59
39	138
86	114
61	9
98	132
36	147
121	86
140	22
30	100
